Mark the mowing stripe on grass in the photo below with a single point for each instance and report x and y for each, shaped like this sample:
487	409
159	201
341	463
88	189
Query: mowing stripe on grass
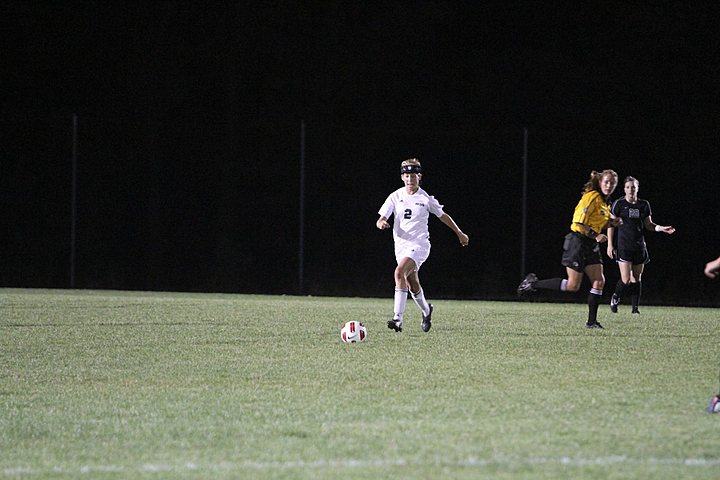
356	463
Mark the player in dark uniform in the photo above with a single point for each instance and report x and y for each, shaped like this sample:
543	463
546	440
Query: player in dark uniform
581	250
626	242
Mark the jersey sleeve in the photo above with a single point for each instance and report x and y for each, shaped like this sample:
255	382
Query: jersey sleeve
435	207
387	208
583	207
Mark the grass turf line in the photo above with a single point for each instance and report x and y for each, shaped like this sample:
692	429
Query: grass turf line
168	385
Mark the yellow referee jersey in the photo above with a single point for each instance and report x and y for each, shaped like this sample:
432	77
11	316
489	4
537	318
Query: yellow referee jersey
592	211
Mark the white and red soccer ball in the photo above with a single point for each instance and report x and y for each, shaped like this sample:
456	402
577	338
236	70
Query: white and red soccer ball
353	332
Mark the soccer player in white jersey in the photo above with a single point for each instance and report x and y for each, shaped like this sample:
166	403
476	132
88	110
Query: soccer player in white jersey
411	206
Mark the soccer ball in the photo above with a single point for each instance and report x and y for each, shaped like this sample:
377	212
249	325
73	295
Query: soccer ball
353	331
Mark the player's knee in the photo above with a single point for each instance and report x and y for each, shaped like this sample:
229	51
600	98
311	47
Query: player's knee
573	286
400	279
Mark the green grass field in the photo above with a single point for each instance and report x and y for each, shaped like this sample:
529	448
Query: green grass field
102	384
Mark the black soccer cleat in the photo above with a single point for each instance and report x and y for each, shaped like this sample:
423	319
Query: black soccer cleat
427	320
636	310
614	302
527	286
395	324
593	325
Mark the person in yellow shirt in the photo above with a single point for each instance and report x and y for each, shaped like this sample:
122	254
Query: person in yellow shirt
581	249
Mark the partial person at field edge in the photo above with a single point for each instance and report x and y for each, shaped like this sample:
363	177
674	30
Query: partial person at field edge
712	268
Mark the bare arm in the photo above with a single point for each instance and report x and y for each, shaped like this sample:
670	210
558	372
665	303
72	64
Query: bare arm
447	220
382	223
712	268
650	225
599	237
610	242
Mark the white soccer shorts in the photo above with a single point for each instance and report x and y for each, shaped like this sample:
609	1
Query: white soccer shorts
418	253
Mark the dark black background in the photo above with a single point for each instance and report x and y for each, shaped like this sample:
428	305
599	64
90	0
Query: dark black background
189	145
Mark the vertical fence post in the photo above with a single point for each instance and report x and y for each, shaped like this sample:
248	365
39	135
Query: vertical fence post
523	236
301	233
73	205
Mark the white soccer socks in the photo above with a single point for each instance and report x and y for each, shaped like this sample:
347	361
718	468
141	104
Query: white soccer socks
400	303
420	301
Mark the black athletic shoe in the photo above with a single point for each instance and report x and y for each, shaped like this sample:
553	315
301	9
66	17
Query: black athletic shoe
427	321
593	325
395	325
527	285
614	302
636	310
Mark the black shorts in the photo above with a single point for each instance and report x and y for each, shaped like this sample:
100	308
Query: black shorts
580	251
635	256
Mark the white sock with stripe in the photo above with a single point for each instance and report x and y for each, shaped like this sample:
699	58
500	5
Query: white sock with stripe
400	303
420	301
